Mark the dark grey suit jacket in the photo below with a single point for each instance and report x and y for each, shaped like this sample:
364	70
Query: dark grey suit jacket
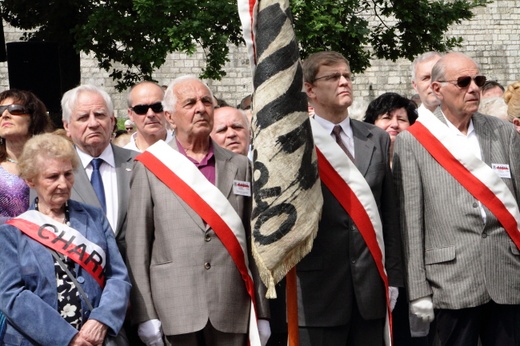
82	190
340	268
450	253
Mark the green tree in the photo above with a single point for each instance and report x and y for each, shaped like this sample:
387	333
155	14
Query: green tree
131	38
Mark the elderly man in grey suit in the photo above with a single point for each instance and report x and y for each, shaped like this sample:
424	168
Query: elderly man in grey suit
88	118
189	283
457	172
342	295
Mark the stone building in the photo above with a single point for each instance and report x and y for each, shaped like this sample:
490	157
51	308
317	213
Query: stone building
492	38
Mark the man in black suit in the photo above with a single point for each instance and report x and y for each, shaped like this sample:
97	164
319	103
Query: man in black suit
341	292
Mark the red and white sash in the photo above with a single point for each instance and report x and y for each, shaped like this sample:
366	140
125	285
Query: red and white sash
471	172
351	189
185	180
248	10
65	240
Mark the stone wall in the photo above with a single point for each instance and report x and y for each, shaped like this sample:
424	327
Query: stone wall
492	37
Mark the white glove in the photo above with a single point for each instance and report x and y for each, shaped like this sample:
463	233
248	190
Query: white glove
264	329
393	293
422	308
150	332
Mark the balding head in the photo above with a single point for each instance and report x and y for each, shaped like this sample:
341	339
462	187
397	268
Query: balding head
231	129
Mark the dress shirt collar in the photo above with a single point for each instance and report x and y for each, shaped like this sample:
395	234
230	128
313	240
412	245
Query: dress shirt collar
107	155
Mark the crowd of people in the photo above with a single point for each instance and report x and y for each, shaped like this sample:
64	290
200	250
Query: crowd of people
144	237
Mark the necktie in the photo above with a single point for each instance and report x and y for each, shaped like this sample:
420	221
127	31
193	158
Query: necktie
336	131
97	182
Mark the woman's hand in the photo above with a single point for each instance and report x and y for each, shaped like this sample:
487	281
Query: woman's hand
94	332
79	340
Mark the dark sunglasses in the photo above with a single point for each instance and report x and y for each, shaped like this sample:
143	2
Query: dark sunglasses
143	109
14	109
464	81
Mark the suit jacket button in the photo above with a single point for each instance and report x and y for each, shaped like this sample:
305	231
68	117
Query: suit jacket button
484	235
207	265
207	237
80	279
475	205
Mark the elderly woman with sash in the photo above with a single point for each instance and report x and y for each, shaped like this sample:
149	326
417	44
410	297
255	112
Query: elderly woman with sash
63	280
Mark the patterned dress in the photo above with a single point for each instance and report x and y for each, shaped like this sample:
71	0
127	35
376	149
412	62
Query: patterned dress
14	195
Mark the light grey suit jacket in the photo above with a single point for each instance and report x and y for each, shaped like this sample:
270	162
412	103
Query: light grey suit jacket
181	272
449	252
84	192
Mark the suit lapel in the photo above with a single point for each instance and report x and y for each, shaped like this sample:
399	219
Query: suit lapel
124	161
484	134
363	146
83	189
225	170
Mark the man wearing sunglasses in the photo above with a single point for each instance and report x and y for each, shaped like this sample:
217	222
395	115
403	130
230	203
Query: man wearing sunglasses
457	174
146	111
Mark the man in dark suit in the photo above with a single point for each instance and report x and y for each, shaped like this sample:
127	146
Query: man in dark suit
88	118
187	285
342	297
462	259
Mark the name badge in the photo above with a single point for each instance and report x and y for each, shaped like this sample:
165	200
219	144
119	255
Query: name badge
242	188
502	170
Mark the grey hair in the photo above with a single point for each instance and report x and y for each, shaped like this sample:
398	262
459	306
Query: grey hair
69	99
421	58
439	69
170	99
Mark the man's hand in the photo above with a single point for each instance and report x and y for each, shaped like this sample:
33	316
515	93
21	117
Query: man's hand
393	293
264	329
423	308
150	332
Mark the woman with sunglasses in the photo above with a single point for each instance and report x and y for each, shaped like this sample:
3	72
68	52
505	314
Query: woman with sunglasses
22	115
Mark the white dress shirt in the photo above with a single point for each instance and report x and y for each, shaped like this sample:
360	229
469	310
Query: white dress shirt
347	136
108	175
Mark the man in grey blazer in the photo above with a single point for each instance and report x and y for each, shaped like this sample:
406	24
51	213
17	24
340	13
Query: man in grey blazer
341	295
187	287
462	266
88	118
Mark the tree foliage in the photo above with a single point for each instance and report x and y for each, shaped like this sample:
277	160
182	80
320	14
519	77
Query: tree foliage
131	38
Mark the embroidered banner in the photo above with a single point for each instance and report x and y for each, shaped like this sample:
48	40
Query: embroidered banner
185	180
471	172
65	240
287	198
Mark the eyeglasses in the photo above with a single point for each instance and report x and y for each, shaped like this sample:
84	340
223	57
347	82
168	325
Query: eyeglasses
334	77
464	81
14	109
143	109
